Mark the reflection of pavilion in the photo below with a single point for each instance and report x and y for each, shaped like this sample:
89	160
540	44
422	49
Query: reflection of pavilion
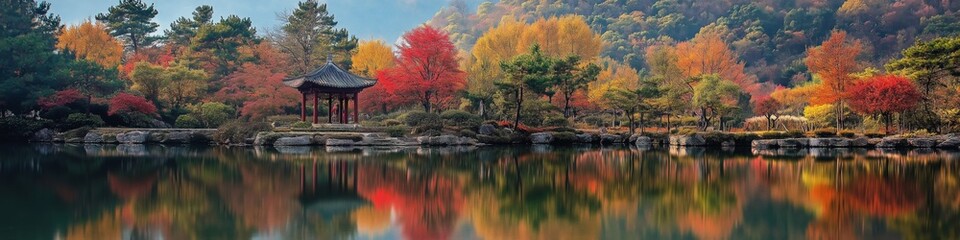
330	189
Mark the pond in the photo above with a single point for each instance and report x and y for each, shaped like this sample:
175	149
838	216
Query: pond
167	192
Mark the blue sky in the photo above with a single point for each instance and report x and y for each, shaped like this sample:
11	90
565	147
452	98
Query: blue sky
367	19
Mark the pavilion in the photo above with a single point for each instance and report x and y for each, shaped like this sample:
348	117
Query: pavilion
330	81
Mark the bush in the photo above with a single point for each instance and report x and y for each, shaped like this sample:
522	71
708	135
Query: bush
423	121
555	120
593	120
213	114
17	129
848	134
137	119
57	113
239	131
301	125
188	121
461	119
397	130
77	120
875	134
468	133
431	132
283	120
825	132
390	122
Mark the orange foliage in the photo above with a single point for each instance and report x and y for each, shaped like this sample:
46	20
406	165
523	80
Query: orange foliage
90	41
707	53
833	62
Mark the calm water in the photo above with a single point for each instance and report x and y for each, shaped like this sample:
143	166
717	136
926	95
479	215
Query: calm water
157	192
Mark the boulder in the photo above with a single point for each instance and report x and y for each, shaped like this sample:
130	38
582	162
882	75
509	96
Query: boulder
446	140
860	142
610	138
178	137
541	138
487	129
43	135
133	137
822	142
950	142
843	143
339	142
891	143
922	142
293	141
93	137
643	141
793	142
687	140
586	138
763	144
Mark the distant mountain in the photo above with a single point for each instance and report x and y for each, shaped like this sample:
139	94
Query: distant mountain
771	36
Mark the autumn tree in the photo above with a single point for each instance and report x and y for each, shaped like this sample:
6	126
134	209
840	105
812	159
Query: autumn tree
569	75
715	97
149	80
707	53
769	108
562	36
935	68
219	44
90	41
256	88
483	65
309	35
184	29
427	70
183	86
833	62
132	21
128	103
883	96
371	58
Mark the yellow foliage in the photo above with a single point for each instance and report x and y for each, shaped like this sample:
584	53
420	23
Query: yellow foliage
614	76
821	115
90	41
371	57
563	36
707	53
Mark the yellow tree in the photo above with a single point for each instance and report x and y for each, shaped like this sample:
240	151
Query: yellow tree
614	76
371	57
563	36
184	85
834	62
707	53
90	41
483	65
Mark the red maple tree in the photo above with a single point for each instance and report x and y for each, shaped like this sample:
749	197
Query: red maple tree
161	56
768	108
427	71
257	87
884	96
127	103
61	98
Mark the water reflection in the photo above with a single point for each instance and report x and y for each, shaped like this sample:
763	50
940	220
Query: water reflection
158	192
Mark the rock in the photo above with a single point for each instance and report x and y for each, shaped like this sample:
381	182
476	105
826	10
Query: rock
93	137
950	142
643	141
487	129
793	142
843	143
586	138
610	138
134	137
860	142
445	140
874	141
156	123
922	142
339	142
43	135
687	140
822	142
762	144
891	143
541	138
292	141
178	137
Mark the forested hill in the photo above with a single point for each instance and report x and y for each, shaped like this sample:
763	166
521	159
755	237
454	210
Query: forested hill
770	36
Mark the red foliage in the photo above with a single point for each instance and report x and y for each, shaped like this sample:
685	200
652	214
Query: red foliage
61	98
162	56
257	87
379	97
427	70
883	95
125	103
766	106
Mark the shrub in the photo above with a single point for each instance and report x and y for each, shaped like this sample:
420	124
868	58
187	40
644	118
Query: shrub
593	120
283	120
874	134
848	134
57	113
390	122
213	114
430	132
123	103
468	133
188	121
555	120
19	129
301	125
825	132
461	119
795	133
77	120
397	130
137	119
62	98
424	121
239	131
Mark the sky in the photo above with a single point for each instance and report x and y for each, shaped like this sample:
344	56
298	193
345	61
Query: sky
367	19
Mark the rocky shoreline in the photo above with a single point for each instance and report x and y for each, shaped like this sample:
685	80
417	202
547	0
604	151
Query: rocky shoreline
494	136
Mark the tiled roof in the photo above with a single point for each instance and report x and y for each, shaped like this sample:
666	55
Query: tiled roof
332	76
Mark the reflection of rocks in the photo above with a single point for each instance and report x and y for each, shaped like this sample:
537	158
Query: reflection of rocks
891	142
687	140
44	135
643	141
541	148
611	138
132	149
293	149
93	149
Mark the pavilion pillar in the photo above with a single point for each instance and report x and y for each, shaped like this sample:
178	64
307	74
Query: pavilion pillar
329	108
303	107
346	109
356	109
340	108
316	107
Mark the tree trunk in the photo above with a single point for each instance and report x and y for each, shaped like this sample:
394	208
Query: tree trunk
566	105
426	102
641	124
516	120
483	112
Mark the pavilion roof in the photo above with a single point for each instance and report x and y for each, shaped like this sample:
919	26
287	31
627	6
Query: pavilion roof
330	76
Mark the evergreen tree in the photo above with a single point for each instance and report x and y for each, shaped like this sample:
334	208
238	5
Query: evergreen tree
184	29
29	60
132	21
308	36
